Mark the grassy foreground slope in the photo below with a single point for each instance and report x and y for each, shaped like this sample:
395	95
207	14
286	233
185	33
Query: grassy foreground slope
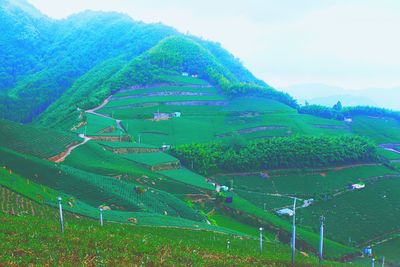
85	242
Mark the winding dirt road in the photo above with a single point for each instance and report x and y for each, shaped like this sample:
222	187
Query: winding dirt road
70	149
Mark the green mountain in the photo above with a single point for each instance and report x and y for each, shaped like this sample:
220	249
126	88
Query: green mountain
185	151
45	57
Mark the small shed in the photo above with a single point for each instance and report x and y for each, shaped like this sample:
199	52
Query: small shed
185	74
165	147
285	211
357	186
224	188
348	120
368	251
218	188
176	114
161	116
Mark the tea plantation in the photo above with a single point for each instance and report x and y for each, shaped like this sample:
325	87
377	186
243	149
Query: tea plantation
124	169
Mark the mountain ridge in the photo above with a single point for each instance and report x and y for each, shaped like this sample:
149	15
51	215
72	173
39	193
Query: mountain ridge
77	44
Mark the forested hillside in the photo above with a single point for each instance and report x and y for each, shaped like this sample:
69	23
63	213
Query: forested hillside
45	58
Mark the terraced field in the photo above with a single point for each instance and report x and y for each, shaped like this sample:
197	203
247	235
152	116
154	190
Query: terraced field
188	177
350	215
40	142
356	216
123	168
381	130
154	161
95	189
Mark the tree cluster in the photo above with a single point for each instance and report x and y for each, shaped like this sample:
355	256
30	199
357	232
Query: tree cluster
285	152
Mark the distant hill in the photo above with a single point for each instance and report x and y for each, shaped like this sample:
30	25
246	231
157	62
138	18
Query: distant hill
323	94
346	99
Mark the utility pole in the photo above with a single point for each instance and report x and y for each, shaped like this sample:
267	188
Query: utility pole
228	244
321	239
61	215
261	240
264	206
294	231
373	262
383	261
139	138
101	216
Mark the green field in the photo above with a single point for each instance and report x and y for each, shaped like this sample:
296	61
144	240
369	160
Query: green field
125	145
40	142
381	130
182	80
329	189
157	99
151	159
144	91
390	155
357	215
92	157
390	249
304	184
95	124
247	117
95	189
85	239
188	177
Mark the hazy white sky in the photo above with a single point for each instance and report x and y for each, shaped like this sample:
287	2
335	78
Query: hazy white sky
348	43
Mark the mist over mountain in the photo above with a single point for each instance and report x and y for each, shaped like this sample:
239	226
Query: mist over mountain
322	94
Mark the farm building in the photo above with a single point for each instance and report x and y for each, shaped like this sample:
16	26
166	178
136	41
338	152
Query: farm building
218	188
368	251
357	186
348	120
161	116
308	202
158	116
176	114
285	211
194	76
185	74
221	188
165	147
224	188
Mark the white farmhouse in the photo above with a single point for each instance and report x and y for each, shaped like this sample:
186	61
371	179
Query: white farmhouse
285	211
358	186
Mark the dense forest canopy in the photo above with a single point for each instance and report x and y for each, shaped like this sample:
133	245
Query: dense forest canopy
286	152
